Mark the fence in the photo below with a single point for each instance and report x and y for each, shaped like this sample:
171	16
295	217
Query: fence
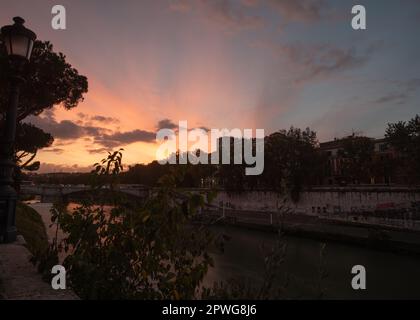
400	218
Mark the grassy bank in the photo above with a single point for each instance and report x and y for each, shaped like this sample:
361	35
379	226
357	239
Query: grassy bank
29	224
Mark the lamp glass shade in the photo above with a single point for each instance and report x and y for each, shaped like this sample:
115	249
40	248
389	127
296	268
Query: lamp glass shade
30	47
18	40
19	45
8	45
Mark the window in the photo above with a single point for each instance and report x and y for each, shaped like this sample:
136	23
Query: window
383	147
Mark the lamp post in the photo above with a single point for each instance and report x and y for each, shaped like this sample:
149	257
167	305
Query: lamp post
19	42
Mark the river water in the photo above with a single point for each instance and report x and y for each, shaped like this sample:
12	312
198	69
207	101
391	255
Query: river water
388	275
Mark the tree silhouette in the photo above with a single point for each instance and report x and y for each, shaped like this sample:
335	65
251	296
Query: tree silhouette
357	153
50	81
28	141
405	138
292	161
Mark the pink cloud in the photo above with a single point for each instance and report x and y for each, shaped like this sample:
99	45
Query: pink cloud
231	16
301	10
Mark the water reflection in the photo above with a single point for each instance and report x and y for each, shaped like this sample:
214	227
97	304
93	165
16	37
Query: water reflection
389	276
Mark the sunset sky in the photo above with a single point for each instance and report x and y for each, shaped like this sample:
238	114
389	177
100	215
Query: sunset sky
265	64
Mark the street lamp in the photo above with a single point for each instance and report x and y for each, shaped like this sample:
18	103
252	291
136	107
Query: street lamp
19	43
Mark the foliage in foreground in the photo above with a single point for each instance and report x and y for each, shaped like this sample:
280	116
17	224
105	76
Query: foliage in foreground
134	252
152	250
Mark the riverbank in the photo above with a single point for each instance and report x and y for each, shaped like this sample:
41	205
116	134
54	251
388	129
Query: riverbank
390	275
382	238
19	278
391	239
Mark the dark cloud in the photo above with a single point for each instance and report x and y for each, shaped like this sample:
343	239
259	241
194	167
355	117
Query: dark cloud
105	120
97	118
107	139
68	130
309	62
204	128
49	114
229	15
54	150
82	115
65	129
62	143
298	66
169	124
124	138
234	15
405	91
321	61
412	84
302	10
95	131
166	124
98	150
397	98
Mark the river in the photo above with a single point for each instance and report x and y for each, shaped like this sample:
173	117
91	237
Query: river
388	275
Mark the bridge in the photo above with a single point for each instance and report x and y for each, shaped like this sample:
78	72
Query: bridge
51	193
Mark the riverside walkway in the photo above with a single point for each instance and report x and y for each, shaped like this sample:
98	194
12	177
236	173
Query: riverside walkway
19	279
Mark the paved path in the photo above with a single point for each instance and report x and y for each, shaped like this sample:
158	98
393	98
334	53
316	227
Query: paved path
19	279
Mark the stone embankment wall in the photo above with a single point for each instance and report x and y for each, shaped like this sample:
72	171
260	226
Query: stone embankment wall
325	201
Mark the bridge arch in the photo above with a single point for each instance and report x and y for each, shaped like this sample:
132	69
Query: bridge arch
53	193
